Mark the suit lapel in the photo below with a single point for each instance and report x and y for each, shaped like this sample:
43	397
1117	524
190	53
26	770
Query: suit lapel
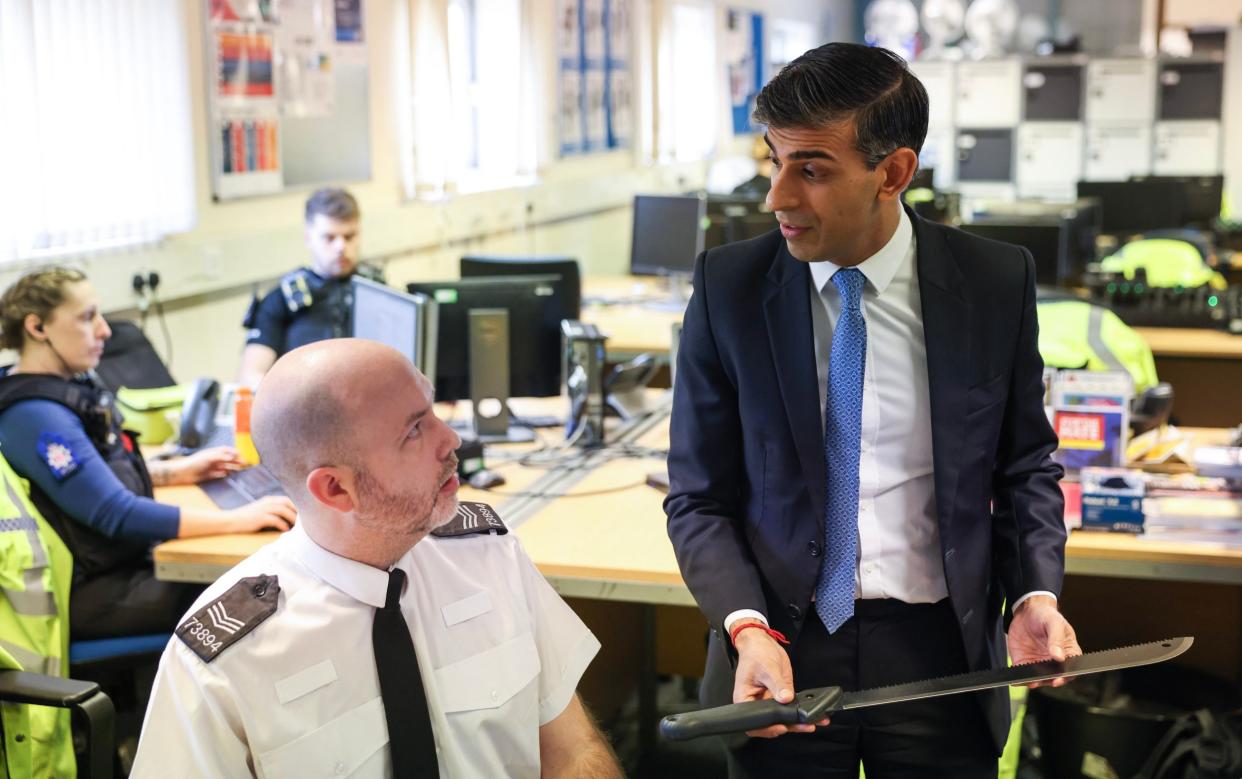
947	329
787	309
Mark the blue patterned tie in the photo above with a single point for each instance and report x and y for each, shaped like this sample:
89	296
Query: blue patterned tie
834	595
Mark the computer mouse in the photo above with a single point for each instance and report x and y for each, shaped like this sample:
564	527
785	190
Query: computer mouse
485	479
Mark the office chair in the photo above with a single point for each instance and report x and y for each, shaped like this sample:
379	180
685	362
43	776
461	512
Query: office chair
92	706
129	360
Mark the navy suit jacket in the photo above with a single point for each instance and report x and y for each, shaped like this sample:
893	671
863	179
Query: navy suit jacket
746	458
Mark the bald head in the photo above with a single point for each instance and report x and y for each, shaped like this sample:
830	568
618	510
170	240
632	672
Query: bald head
307	403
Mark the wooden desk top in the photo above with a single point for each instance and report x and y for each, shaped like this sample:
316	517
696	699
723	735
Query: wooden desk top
605	538
634	328
1187	342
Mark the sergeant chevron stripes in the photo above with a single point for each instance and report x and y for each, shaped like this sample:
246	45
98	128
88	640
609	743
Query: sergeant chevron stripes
220	619
469	519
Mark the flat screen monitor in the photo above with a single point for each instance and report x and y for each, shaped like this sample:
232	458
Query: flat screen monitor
536	306
404	321
1200	197
1135	206
729	218
1042	240
668	234
476	265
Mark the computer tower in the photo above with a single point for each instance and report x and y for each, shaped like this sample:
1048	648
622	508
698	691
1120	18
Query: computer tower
1191	88
1121	91
1049	159
985	162
989	93
1052	92
1187	147
1115	152
939	80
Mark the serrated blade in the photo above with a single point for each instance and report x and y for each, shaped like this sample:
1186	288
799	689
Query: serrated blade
812	705
1028	673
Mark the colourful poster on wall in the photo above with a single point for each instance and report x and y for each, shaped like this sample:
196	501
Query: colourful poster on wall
594	45
743	46
244	64
348	14
276	70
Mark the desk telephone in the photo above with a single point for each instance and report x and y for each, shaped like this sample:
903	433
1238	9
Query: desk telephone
198	415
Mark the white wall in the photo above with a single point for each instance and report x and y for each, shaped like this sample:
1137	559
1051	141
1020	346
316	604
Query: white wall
207	274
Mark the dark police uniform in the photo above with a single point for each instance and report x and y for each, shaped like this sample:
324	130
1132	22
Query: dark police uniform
302	309
114	589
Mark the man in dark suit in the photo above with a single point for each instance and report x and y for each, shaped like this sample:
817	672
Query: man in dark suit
859	461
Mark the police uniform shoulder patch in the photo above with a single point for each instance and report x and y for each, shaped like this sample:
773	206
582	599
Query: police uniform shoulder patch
221	623
56	453
298	288
471	519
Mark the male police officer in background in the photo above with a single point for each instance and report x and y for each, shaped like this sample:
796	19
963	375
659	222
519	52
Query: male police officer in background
311	303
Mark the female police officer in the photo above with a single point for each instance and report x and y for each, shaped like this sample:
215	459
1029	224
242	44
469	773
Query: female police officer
59	430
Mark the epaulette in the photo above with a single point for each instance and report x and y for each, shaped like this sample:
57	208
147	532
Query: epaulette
299	288
221	623
471	518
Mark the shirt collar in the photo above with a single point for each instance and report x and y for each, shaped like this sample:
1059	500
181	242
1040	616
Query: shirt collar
879	268
359	581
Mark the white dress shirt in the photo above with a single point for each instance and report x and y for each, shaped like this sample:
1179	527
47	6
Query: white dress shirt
499	652
899	552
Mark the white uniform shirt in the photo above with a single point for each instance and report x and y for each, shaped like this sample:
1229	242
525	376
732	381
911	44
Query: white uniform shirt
898	537
499	652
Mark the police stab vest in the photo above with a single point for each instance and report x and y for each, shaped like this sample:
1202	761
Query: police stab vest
94	553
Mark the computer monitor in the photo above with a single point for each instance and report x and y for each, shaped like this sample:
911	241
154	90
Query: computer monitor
1042	240
476	265
984	154
536	306
729	218
406	322
1135	206
668	234
1060	236
1199	199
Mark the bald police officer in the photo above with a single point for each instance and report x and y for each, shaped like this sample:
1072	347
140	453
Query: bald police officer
394	632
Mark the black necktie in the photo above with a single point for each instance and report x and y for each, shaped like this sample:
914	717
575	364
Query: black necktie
410	742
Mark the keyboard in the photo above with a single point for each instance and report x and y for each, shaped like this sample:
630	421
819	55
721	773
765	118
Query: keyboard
238	489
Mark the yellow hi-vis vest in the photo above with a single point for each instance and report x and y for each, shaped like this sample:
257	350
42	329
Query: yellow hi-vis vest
1075	334
36	569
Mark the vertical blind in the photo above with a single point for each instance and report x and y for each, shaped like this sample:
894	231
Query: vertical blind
95	142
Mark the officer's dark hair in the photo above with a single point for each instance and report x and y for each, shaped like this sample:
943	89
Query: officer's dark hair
39	292
333	203
841	81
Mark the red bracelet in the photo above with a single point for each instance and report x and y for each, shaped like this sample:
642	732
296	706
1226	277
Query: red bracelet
779	636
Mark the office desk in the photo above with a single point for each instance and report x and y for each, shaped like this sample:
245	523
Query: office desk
638	317
605	540
1205	369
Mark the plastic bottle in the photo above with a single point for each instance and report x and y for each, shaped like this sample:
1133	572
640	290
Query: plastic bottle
241	427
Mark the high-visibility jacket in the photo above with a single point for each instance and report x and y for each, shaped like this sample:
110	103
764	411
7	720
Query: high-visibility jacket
36	569
1076	334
